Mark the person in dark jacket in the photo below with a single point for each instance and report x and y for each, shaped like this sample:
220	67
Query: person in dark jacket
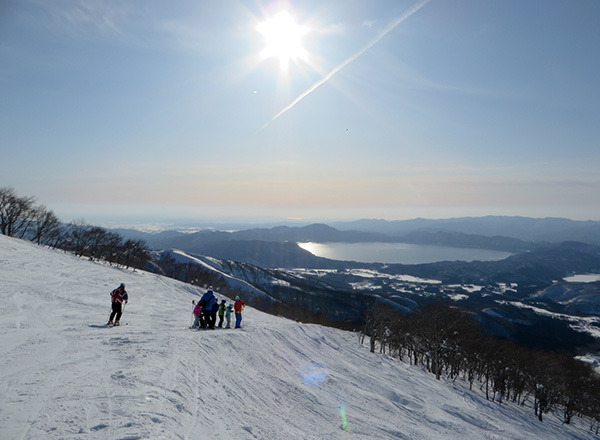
213	314
208	301
118	297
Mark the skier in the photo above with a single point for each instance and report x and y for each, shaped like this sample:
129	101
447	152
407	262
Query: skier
208	300
237	308
228	315
118	296
221	313
197	312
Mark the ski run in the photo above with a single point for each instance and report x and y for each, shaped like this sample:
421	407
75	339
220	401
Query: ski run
65	375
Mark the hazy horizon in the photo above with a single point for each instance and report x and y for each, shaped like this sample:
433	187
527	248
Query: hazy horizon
231	223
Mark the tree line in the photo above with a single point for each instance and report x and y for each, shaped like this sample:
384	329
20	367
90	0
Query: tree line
20	217
448	341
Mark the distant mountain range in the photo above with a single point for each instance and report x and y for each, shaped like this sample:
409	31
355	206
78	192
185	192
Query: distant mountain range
271	247
524	228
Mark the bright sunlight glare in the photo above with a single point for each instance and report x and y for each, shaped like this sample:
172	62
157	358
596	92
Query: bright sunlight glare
284	39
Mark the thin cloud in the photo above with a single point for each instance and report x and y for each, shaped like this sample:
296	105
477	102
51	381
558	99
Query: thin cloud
373	42
332	29
106	17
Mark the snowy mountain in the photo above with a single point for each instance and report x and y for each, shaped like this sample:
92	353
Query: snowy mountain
66	376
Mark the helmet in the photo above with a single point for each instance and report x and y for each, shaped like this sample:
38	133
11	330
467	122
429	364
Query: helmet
122	285
223	301
237	298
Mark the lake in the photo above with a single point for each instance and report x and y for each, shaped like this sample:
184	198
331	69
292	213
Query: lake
403	253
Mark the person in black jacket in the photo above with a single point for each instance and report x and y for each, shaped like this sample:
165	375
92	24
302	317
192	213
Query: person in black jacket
213	315
118	297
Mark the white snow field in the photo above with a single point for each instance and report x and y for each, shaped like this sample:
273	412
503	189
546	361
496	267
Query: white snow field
63	376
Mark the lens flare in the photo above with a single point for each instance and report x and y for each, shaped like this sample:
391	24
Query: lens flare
313	373
343	417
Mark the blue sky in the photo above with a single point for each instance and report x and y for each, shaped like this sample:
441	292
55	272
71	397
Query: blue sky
147	109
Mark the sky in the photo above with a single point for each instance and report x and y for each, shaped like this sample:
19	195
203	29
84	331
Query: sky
347	109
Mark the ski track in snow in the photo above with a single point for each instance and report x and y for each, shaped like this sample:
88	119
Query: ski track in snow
66	376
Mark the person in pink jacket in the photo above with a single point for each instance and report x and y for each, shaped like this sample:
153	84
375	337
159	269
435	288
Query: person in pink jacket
197	314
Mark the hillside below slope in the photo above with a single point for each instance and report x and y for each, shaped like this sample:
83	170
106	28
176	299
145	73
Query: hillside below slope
65	376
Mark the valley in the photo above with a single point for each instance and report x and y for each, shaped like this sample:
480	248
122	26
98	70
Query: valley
531	297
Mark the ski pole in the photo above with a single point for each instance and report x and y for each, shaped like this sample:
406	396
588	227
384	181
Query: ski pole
192	321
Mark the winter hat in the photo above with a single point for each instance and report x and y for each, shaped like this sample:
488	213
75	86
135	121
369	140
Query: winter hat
223	301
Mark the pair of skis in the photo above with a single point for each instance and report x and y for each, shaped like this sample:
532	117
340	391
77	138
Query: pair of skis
108	324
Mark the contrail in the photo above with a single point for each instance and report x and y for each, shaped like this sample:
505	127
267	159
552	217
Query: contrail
327	77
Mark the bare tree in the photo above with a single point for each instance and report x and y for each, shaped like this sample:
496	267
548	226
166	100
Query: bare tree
45	225
7	194
438	327
112	247
96	239
78	237
16	213
134	254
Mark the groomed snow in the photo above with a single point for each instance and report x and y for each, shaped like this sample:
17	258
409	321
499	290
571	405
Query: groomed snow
63	376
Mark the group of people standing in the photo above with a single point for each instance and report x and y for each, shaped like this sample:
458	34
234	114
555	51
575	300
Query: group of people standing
206	311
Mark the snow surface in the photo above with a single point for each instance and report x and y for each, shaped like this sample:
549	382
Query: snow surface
64	376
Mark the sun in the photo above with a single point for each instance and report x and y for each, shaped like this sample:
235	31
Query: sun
284	39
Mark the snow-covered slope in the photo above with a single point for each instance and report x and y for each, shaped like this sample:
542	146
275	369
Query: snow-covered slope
63	376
